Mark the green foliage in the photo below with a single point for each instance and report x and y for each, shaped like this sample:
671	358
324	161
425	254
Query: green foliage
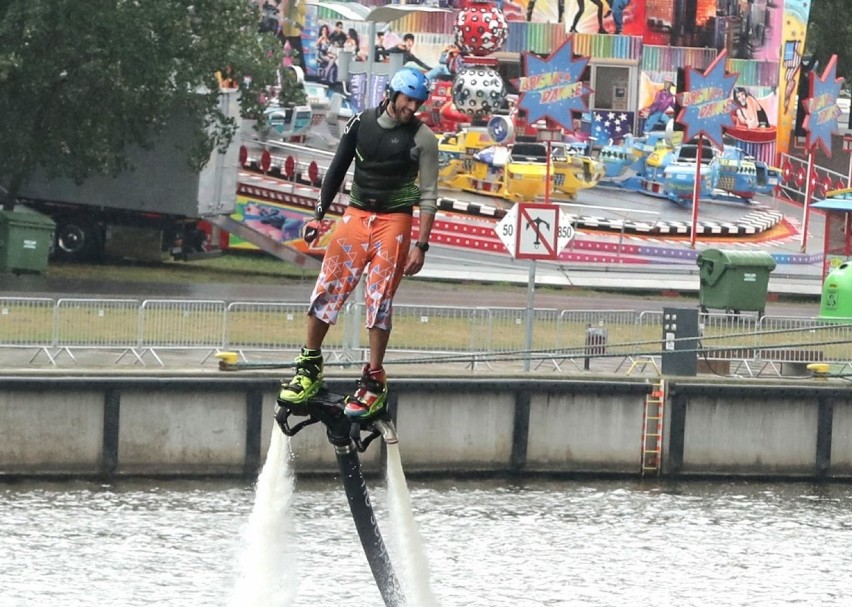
292	91
830	33
83	81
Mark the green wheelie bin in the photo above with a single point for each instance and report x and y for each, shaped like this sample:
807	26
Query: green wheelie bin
25	240
734	281
836	300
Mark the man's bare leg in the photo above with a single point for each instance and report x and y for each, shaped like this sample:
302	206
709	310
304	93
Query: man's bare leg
317	330
378	346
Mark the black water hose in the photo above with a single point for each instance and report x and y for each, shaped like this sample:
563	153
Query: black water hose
368	529
327	408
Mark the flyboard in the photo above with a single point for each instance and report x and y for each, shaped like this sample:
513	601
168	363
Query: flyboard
349	438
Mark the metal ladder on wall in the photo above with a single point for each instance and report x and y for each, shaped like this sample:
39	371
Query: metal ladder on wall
652	429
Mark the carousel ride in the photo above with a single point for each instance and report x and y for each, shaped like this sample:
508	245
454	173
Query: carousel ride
661	164
471	161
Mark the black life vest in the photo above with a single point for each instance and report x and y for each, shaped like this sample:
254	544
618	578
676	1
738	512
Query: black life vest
385	172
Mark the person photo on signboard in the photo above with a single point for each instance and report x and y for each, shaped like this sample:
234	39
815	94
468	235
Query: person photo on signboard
406	48
449	64
747	110
353	45
326	56
657	113
338	36
381	53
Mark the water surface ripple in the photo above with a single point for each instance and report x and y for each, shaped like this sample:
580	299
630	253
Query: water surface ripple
489	543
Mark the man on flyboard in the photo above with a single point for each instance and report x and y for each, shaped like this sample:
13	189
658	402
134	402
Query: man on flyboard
390	148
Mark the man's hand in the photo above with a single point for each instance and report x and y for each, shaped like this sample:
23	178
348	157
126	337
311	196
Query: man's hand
311	230
414	264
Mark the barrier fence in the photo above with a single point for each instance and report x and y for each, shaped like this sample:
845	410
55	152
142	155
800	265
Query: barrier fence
134	331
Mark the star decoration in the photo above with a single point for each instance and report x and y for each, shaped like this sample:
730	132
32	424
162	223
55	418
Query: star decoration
553	87
609	126
706	102
821	111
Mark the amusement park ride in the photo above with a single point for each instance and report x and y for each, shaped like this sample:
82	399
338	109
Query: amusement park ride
655	165
500	147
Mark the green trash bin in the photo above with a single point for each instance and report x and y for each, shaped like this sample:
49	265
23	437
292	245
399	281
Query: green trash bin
734	281
25	239
836	300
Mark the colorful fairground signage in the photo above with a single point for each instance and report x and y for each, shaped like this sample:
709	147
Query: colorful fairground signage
706	102
821	111
552	88
820	122
706	110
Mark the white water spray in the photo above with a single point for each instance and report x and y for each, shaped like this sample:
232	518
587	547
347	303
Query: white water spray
415	575
266	575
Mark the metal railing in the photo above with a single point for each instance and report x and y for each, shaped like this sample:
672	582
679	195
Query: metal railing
189	332
794	179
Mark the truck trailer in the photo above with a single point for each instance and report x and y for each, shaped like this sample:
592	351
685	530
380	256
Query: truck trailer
148	211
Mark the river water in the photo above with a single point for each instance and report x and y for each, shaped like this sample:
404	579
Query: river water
486	542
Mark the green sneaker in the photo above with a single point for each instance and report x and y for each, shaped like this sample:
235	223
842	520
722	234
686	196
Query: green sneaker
306	382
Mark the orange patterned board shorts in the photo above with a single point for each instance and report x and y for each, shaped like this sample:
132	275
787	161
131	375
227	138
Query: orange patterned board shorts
362	238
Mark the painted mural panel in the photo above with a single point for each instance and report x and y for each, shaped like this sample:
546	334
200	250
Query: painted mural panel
755	31
747	29
281	222
754	111
795	26
656	109
588	16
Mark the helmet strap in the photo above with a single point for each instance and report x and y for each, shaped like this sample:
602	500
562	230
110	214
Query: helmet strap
388	103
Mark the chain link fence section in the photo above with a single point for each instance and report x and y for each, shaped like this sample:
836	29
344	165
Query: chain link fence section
787	344
261	327
729	344
507	334
185	325
28	323
97	324
647	345
584	335
442	332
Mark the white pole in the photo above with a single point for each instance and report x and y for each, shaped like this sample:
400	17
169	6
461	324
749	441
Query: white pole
528	333
371	59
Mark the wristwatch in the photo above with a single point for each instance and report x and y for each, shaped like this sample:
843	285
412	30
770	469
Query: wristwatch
423	246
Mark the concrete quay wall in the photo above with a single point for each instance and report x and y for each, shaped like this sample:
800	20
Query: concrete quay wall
190	424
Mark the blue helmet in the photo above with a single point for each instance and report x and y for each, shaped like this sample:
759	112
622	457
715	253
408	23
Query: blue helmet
409	82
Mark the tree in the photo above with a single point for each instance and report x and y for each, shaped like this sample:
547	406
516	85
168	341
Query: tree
83	82
830	33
